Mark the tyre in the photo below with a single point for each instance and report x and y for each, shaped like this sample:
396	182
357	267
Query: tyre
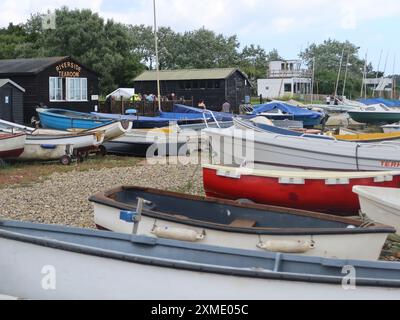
65	160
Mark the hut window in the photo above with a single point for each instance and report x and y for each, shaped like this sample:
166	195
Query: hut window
217	84
195	84
202	84
55	89
188	85
210	85
76	89
182	85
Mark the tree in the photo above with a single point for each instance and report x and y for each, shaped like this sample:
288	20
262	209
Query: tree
327	62
254	62
10	38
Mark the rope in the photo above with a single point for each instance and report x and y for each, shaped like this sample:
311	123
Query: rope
357	158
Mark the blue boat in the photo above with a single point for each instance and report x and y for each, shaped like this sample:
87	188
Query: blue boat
281	111
60	119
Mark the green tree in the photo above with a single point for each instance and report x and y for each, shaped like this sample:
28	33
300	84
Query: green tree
10	38
327	58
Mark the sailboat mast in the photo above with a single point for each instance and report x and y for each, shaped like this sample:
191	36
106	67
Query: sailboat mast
157	57
340	70
346	73
364	83
377	71
393	77
313	81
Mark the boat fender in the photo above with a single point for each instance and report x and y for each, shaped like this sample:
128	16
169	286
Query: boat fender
178	234
287	246
48	146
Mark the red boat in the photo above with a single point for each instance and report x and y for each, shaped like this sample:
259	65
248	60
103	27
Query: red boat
325	192
11	145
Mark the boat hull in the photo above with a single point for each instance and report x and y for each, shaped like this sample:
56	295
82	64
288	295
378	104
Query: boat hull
328	246
264	150
11	145
379	204
75	264
332	196
56	121
374	117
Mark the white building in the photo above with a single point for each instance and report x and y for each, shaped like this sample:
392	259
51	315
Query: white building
285	78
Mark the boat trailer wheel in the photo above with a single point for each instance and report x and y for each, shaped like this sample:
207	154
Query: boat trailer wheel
102	151
66	160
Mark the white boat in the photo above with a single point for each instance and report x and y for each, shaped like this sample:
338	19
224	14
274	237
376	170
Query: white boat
376	114
264	150
380	204
237	225
47	152
11	145
148	143
66	263
111	131
391	128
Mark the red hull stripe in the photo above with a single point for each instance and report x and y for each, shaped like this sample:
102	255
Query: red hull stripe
11	153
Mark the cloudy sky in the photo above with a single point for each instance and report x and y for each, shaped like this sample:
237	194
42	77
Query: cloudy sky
288	25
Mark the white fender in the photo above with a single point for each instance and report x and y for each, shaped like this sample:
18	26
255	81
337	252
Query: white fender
287	246
178	234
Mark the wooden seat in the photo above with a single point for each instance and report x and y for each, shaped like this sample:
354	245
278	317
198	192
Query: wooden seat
243	223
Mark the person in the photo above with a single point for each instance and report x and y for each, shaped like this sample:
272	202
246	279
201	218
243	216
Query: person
226	107
202	105
328	100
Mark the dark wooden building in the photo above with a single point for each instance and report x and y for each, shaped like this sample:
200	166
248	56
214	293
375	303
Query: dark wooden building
214	86
11	101
56	82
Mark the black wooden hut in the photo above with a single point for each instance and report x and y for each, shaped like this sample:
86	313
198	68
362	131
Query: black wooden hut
11	101
56	82
214	86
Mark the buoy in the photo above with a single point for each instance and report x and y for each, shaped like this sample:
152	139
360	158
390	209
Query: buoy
178	234
287	246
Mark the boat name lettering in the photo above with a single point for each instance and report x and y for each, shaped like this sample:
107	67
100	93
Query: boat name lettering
390	164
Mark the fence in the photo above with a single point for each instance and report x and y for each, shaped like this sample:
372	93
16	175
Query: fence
144	108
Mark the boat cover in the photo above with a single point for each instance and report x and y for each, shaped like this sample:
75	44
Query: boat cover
182	109
386	102
286	108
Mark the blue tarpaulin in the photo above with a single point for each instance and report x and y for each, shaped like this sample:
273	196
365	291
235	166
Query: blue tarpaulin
386	102
287	109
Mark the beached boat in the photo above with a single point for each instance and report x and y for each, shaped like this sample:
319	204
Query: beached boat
391	128
86	264
326	192
280	111
376	114
108	132
369	137
246	226
61	119
36	151
148	143
380	204
11	145
264	150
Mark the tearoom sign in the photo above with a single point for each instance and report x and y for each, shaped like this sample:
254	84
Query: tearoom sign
68	70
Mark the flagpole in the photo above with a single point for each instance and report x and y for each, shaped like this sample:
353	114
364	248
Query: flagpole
157	57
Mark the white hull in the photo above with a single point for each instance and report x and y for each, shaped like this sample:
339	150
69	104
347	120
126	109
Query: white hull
391	128
363	246
80	276
265	150
380	204
113	130
35	152
13	143
75	141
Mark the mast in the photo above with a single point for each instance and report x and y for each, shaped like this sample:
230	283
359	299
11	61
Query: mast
313	81
340	70
377	71
157	57
393	77
346	73
364	84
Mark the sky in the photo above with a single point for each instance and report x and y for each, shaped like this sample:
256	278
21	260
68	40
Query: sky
287	25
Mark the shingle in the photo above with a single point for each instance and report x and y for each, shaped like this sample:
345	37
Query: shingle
187	74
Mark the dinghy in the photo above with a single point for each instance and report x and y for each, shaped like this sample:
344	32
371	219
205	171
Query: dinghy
391	128
11	145
376	114
380	204
231	224
67	263
147	143
326	192
61	119
265	150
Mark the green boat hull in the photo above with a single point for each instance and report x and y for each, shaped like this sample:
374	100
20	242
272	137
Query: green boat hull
375	117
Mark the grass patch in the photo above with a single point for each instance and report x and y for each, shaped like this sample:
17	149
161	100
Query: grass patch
28	173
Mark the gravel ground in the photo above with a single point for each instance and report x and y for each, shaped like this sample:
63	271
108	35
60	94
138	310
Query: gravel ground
63	198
